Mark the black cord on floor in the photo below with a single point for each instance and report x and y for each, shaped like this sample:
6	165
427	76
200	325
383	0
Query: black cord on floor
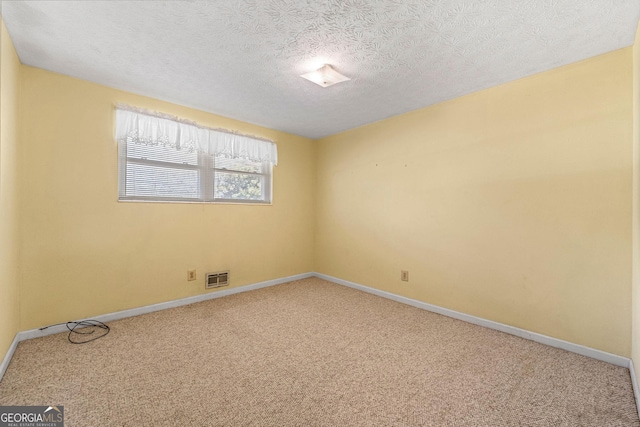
71	326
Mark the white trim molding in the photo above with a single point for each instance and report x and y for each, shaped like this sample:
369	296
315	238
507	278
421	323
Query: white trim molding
35	333
522	333
634	382
7	357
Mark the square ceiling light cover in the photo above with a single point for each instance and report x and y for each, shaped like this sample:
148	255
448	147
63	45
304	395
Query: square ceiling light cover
325	76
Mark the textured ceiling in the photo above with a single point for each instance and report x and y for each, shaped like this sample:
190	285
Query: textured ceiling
242	59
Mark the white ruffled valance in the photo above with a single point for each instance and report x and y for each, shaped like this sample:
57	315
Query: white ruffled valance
142	127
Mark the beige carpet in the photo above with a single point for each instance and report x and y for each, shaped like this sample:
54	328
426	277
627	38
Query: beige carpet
313	353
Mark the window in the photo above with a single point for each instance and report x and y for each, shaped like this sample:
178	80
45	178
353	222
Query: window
166	160
240	179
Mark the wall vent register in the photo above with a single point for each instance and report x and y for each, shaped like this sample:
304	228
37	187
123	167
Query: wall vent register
216	280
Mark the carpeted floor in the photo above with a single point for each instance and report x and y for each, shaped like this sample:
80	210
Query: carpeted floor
313	353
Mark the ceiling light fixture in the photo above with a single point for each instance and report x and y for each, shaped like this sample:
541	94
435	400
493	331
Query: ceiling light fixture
325	76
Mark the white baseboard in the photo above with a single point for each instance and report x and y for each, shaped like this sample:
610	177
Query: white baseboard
35	333
543	339
634	382
7	357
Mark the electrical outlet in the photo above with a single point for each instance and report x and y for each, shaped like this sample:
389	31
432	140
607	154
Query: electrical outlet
191	275
404	275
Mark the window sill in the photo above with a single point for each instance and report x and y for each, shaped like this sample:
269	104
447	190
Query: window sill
198	202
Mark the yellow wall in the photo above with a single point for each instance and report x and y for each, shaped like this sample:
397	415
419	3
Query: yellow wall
84	253
9	227
636	207
512	204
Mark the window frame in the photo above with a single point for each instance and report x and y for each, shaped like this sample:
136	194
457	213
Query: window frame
206	180
267	188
